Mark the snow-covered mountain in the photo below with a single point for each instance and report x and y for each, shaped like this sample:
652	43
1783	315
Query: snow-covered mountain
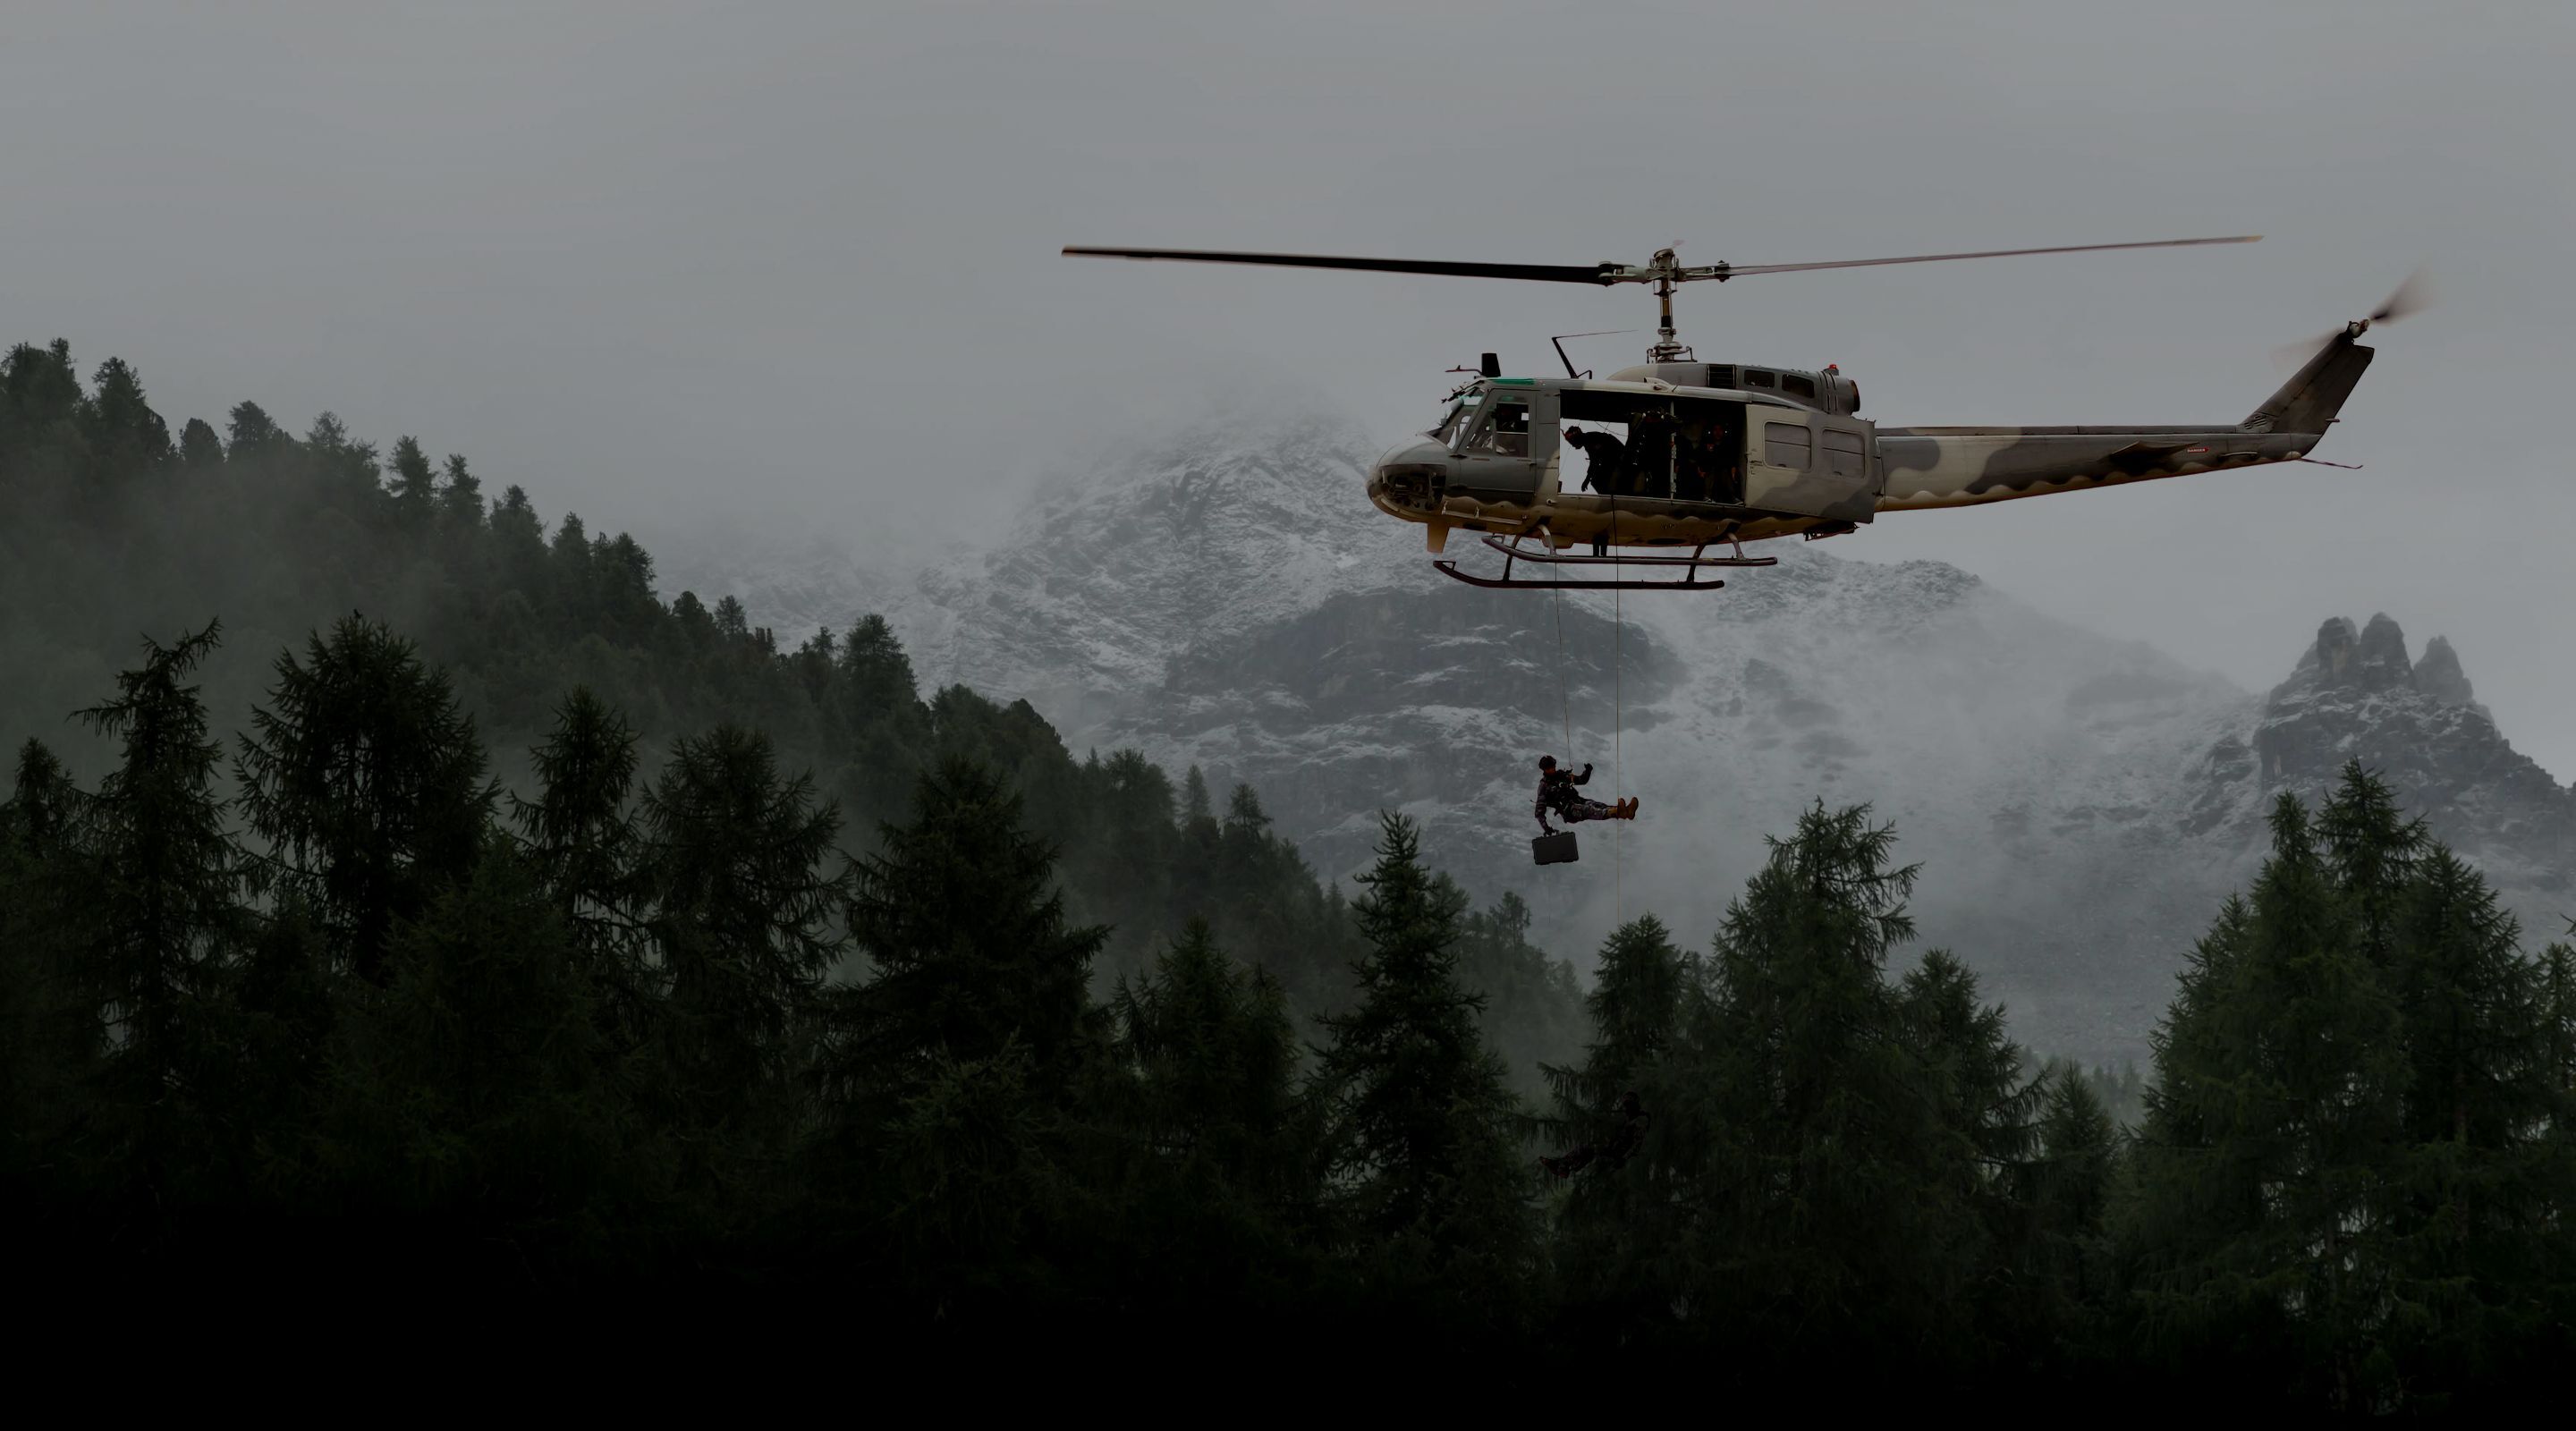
2079	805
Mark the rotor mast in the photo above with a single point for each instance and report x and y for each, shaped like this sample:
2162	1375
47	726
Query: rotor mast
1667	346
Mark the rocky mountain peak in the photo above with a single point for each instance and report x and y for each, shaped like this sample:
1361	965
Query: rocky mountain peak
2356	696
2380	660
2439	675
2372	660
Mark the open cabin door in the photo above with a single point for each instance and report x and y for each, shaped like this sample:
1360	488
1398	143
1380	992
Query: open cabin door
1810	464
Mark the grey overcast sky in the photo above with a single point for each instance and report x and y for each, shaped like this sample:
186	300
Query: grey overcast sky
794	266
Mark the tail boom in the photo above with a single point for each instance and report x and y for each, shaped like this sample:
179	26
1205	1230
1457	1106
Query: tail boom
1930	467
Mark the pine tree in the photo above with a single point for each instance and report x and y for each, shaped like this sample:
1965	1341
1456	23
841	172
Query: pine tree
2067	1187
2486	1185
40	396
49	1039
1420	1117
1533	1011
468	1109
966	934
1619	1222
415	484
956	1069
41	799
460	497
126	436
1987	1111
156	886
582	841
368	782
200	450
1194	800
739	910
1827	1129
254	433
2372	851
2265	1217
1227	1147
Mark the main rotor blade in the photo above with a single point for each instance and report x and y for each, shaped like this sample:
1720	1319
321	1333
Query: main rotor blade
1538	272
1740	269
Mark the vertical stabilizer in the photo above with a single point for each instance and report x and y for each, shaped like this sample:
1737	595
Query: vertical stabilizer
2312	397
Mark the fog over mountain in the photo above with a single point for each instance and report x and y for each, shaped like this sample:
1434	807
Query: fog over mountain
1225	597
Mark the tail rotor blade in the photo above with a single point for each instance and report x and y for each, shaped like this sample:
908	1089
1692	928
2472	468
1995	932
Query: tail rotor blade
2413	296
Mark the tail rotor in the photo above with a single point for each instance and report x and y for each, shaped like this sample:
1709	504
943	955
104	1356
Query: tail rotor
2413	296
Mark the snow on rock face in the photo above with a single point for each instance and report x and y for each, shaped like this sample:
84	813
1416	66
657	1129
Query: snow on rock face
2359	698
1227	597
1208	534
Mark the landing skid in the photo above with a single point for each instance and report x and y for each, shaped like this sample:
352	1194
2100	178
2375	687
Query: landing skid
1513	552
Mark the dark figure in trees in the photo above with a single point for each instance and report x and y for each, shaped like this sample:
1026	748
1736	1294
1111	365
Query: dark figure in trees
1556	797
1612	1151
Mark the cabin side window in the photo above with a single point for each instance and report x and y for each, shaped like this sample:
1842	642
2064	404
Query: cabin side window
1787	445
1797	386
1756	378
1845	454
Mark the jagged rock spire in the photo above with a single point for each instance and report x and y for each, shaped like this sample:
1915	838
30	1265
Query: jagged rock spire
2439	675
2373	658
2381	662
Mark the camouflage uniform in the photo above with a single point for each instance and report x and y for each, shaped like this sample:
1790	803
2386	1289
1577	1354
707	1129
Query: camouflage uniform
1556	796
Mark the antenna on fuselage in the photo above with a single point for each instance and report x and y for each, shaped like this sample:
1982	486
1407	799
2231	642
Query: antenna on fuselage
1559	342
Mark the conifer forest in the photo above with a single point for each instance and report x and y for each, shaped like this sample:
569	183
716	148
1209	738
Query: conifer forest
398	897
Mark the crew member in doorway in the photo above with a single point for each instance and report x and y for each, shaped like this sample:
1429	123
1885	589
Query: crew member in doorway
1556	797
1603	457
1691	450
1650	453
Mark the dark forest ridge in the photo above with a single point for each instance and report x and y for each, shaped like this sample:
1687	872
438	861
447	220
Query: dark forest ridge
295	995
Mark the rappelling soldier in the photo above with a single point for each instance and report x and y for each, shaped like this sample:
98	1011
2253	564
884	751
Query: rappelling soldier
1556	797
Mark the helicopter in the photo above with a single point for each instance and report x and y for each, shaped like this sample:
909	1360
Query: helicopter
1721	454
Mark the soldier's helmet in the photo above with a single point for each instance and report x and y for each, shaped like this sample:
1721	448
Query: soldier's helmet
1547	762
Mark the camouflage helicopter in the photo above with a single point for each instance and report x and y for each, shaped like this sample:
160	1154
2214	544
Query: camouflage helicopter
1720	454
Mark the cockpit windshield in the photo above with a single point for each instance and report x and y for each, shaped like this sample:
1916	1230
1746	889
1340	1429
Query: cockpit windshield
1452	426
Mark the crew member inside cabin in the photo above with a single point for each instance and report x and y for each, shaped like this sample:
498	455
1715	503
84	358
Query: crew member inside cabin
1603	456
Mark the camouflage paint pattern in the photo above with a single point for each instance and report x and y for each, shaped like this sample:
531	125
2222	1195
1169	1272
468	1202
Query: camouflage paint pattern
1906	469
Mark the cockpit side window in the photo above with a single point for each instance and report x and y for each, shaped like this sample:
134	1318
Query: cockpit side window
1797	386
1506	431
1756	378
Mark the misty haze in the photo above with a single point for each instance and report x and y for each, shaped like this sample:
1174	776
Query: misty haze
624	684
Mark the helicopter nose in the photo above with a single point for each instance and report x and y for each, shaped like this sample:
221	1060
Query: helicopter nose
1413	476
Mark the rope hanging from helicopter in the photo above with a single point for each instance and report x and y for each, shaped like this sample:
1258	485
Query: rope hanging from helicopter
1618	718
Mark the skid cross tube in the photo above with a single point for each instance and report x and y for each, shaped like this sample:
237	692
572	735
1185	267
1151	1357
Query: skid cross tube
1512	552
1450	568
1515	551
